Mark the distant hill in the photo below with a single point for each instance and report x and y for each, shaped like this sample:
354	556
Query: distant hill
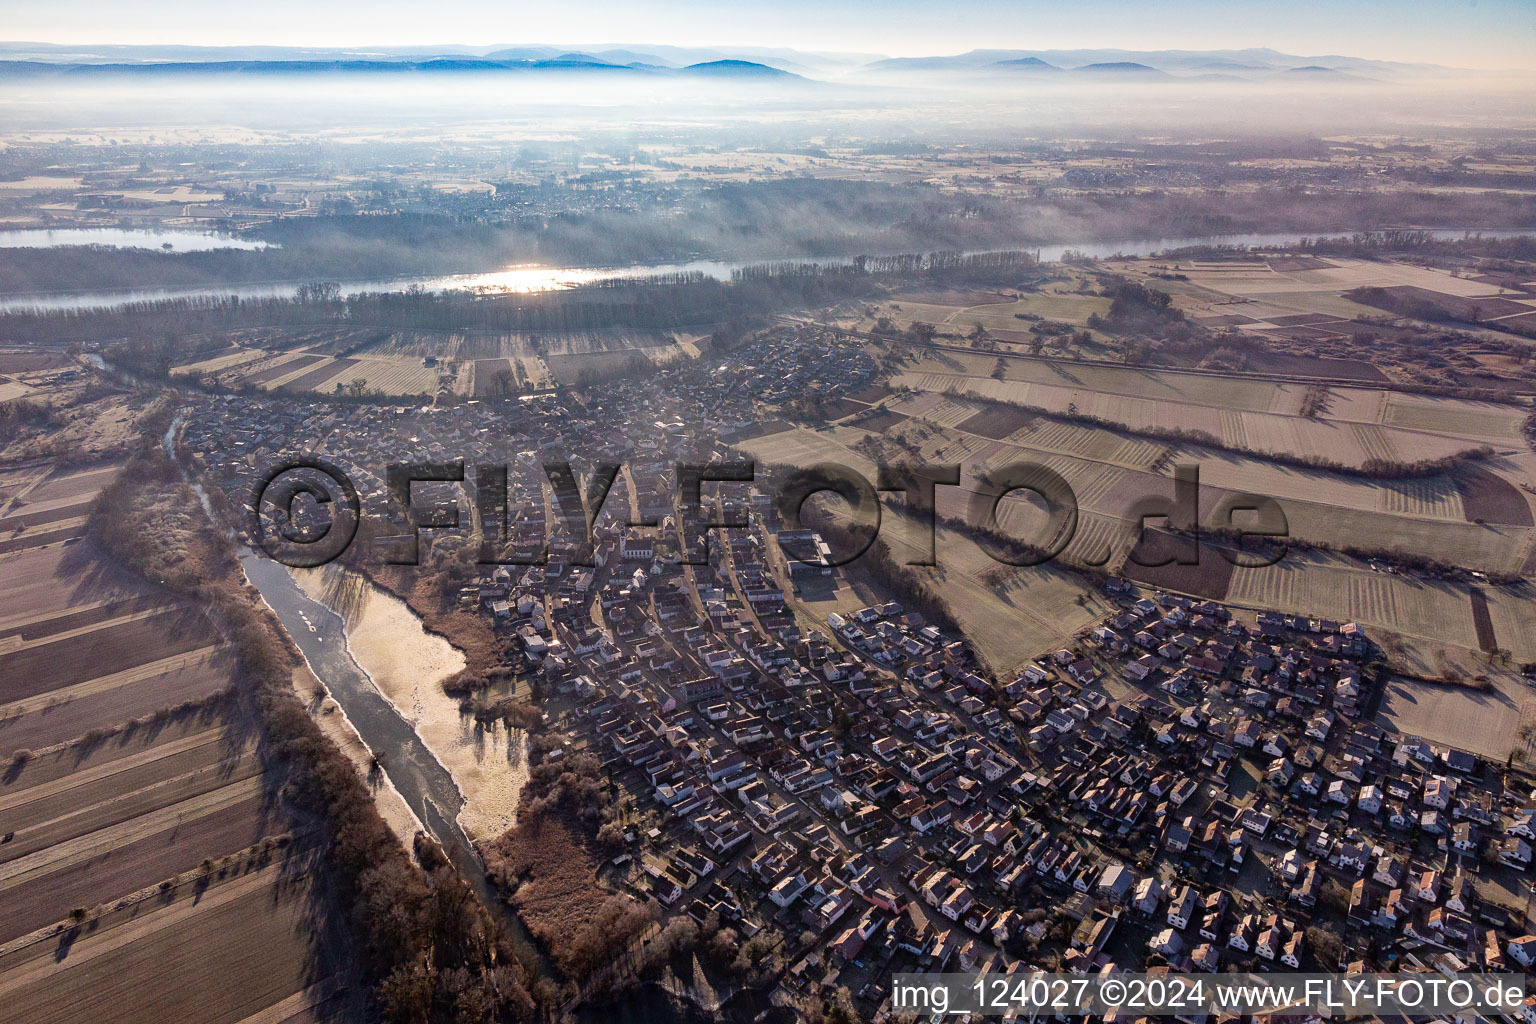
1121	69
563	63
1229	65
1025	64
513	61
654	56
584	58
1318	71
737	69
1256	62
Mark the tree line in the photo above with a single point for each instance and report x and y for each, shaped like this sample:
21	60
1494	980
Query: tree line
663	302
428	949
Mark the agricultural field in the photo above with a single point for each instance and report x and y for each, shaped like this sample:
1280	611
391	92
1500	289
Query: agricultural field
1428	629
409	363
291	372
1298	284
1310	299
1011	614
1485	721
40	507
1340	588
1006	315
536	372
389	376
984	409
1228	407
1473	516
145	848
235	357
418	344
20	362
242	946
1332	319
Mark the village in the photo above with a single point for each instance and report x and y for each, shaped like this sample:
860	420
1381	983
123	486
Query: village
864	787
830	523
1183	785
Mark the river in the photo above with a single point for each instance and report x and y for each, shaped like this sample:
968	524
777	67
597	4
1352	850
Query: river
401	659
163	239
396	706
407	665
427	787
530	278
320	634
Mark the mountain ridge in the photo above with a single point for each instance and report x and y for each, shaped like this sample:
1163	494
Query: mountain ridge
567	62
1252	63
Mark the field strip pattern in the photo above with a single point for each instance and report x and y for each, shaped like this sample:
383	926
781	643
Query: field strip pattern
1441	615
144	702
1426	497
1487	423
86	847
71	484
282	367
1136	453
1099	539
50	833
70	517
70	634
948	412
1512	621
227	361
18	623
30	625
1375	441
298	370
1095	486
1420	516
1272	585
115	938
35	669
32	508
1372	599
240	949
1234	431
117	766
19	492
111	681
300	1004
1454	418
66	531
1331	515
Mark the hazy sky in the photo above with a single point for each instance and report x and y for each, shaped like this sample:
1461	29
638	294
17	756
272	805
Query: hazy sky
1467	33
